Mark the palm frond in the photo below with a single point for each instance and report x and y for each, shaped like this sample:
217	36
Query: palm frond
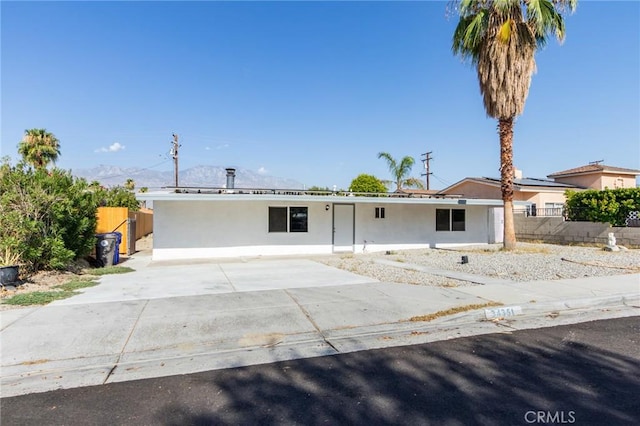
545	19
414	183
405	167
468	36
391	162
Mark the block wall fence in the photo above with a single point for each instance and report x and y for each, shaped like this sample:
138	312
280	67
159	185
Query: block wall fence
555	230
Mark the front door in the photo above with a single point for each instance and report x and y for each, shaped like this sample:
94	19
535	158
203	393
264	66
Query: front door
343	227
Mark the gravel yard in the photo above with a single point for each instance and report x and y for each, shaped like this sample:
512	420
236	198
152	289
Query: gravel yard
529	262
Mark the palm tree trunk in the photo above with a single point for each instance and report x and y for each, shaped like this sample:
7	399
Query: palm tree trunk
505	130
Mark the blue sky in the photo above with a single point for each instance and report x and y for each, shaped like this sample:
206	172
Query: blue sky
307	90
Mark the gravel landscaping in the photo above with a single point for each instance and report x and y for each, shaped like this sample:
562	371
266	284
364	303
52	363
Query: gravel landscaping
529	262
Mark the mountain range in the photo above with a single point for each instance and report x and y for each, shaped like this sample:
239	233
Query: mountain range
198	176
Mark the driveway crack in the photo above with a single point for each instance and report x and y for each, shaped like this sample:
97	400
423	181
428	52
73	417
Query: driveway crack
310	319
126	343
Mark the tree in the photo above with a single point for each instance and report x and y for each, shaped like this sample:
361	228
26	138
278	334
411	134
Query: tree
500	39
130	184
399	171
39	148
367	183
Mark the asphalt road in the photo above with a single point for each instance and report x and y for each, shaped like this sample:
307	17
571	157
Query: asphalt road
586	373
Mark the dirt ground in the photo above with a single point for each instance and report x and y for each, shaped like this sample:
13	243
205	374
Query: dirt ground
47	280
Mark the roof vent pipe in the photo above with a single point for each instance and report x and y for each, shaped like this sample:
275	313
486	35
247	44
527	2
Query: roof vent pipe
231	177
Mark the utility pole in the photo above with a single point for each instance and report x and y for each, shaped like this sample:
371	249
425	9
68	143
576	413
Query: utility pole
427	157
174	153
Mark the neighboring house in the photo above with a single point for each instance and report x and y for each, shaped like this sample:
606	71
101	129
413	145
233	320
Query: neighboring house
205	223
597	176
546	196
538	193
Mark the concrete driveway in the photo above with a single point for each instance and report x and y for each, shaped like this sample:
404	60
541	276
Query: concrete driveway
156	280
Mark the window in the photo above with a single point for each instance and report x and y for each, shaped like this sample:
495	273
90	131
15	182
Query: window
291	219
457	219
450	220
298	219
277	219
379	212
443	219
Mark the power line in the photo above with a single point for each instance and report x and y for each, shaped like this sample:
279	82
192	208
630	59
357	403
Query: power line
442	181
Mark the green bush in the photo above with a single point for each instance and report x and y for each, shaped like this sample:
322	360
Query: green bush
367	183
117	196
607	206
47	216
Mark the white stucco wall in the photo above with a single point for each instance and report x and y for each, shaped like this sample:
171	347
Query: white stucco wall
206	229
411	226
202	229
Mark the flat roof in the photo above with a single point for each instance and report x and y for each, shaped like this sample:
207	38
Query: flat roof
301	196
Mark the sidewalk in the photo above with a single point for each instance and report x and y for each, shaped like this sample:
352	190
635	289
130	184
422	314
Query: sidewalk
179	318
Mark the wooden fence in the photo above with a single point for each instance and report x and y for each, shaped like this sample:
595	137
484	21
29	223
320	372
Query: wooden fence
144	222
115	219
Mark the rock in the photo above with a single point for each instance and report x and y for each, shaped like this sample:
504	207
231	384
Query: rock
611	248
78	266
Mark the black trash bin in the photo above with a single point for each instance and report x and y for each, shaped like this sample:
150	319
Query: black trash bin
107	248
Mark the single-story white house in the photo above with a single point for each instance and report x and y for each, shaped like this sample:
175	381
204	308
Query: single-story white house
191	223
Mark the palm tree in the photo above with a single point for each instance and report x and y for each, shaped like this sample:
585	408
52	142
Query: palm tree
39	147
501	37
401	170
130	184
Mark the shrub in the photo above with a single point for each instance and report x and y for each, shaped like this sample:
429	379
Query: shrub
117	196
47	216
607	206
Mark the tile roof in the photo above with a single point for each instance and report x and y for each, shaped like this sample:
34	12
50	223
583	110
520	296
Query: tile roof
593	168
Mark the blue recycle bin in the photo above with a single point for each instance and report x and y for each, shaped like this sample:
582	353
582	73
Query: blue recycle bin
108	248
116	256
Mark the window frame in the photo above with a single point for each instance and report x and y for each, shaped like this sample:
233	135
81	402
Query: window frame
276	225
303	222
379	213
277	222
458	225
451	225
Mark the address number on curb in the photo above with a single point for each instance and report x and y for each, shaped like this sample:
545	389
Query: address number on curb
506	311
